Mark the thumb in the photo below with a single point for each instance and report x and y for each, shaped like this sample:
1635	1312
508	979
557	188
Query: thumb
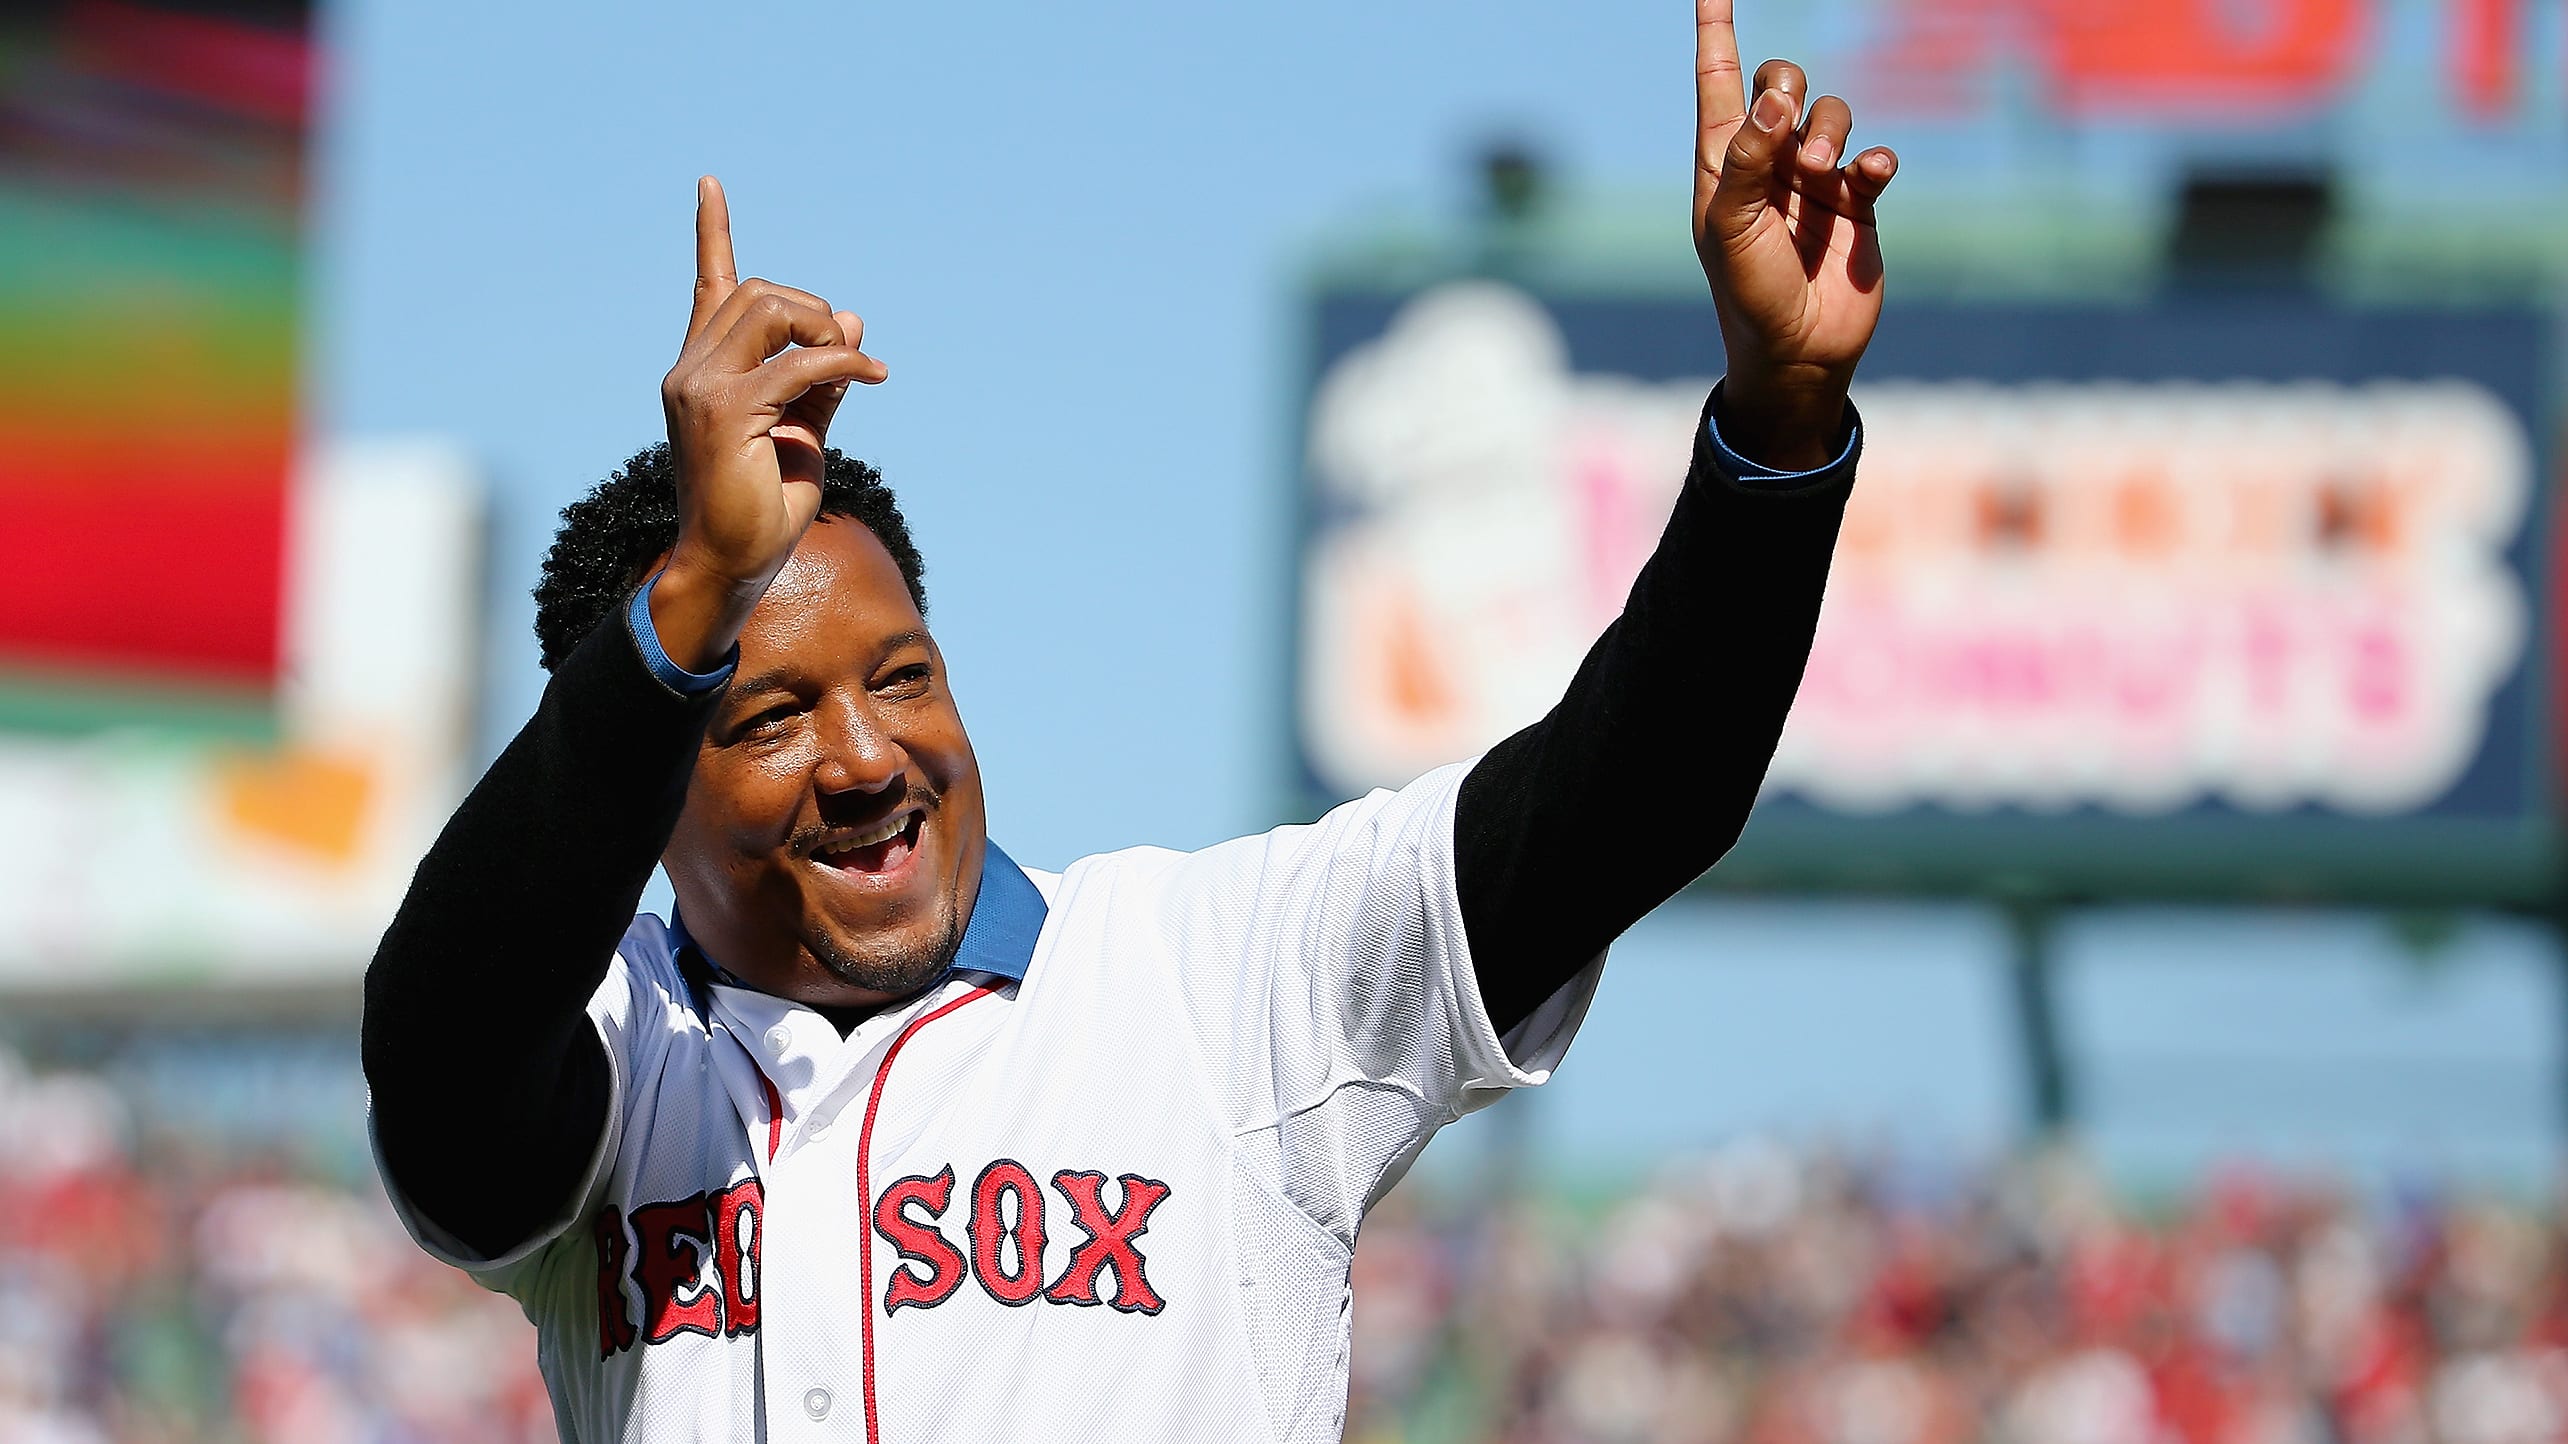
1756	168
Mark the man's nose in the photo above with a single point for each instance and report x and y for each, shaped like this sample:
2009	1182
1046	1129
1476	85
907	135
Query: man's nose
856	754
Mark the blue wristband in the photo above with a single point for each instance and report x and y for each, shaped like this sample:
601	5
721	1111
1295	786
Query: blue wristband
1757	476
672	676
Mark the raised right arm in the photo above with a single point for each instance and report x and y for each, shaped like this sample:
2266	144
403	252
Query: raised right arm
490	1086
481	1061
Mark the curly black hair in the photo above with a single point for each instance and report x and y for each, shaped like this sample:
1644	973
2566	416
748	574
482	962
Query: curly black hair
610	538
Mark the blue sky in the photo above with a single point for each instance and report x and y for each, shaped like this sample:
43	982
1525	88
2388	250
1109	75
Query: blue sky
1072	233
1069	230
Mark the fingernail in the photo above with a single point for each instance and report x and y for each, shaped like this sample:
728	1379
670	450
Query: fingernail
1820	154
1774	108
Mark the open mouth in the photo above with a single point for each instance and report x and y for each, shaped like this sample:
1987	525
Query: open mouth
882	848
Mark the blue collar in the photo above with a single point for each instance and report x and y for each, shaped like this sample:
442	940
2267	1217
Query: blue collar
1007	917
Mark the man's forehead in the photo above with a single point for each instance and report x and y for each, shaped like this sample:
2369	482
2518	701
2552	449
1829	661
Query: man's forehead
840	581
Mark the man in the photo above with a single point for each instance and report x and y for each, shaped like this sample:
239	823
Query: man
885	1137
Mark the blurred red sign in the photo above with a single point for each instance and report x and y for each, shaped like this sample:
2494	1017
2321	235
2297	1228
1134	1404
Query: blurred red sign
151	157
2185	59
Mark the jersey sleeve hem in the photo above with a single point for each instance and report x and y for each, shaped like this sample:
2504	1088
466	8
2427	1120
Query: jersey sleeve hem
1525	1057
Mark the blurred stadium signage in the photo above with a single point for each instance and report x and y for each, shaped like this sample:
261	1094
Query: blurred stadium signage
2233	597
145	853
2179	58
151	165
234	679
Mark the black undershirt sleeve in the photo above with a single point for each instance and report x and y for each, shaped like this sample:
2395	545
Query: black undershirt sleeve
1566	833
478	1050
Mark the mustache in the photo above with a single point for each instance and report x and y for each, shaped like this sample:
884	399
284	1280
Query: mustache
808	837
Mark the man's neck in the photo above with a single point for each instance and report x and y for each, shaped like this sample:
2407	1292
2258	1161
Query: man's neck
845	1020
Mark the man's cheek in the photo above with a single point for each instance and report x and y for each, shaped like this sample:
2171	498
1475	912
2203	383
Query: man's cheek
755	808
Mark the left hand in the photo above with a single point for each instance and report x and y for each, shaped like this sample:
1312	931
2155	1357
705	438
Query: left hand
1786	236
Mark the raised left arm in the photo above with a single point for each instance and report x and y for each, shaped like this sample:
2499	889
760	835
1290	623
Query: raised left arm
1643	776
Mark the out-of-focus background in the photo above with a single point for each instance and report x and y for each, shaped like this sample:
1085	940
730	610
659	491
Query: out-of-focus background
2138	1012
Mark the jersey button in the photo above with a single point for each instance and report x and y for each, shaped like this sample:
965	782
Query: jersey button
778	1039
816	1404
817	1131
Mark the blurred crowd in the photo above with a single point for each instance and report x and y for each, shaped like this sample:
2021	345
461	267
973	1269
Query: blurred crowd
1760	1296
159	1287
155	1288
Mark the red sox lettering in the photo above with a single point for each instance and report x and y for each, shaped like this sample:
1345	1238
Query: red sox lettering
919	1243
664	1256
1007	1221
661	1251
1006	1188
1109	1244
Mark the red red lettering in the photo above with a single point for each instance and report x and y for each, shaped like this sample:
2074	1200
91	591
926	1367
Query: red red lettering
2487	36
2155	53
670	1241
614	1320
989	1228
1109	1244
919	1243
736	1239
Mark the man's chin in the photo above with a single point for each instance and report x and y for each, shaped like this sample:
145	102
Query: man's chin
890	964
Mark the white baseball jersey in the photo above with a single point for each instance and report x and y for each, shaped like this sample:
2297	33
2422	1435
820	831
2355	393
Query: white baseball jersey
1103	1181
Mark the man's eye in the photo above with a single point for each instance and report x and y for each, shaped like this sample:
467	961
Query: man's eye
908	679
767	721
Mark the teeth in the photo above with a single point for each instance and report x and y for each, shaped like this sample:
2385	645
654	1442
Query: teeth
885	833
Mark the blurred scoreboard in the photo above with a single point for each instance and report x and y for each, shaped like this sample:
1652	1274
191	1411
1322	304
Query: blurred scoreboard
151	183
235	666
2231	596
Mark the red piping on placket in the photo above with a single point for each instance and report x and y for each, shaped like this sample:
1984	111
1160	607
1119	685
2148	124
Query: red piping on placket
775	1115
865	1187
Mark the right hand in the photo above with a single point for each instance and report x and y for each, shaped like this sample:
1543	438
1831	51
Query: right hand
749	404
1787	237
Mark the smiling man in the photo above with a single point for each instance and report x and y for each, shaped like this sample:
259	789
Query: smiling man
883	1136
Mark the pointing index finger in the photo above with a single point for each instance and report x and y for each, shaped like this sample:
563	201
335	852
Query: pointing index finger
717	275
1720	96
1720	99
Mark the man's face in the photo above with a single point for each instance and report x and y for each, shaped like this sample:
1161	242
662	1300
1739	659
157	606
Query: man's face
830	846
